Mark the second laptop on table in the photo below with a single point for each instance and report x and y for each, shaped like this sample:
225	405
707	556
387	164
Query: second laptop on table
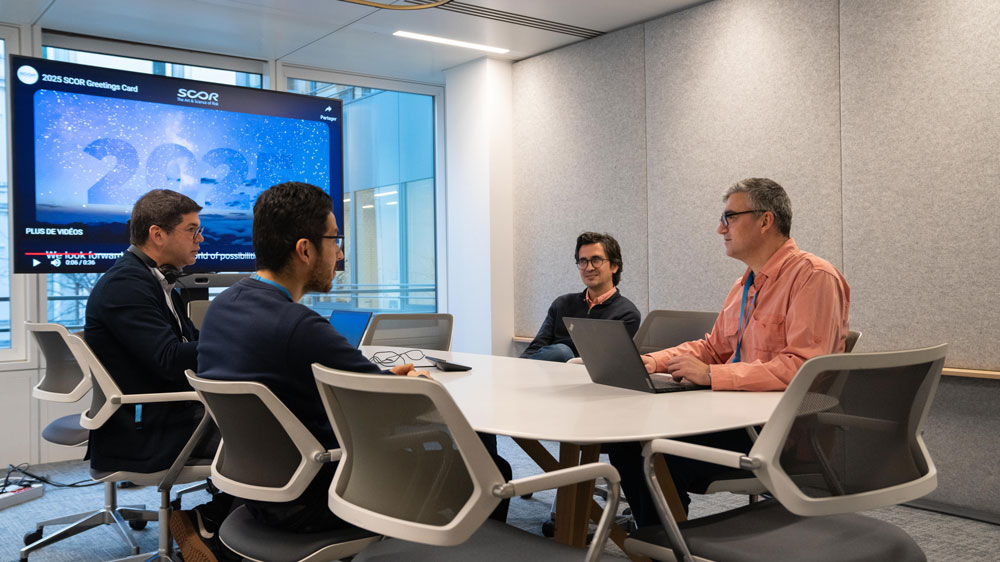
610	356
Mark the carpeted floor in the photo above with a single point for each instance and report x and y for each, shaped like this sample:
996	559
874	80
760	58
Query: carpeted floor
943	538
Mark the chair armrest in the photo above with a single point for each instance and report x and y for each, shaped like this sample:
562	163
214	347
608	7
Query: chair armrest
732	459
576	361
156	397
557	479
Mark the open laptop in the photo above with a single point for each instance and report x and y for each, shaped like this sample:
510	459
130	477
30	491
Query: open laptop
351	324
610	356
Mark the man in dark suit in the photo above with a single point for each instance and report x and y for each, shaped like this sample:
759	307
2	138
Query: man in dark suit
138	327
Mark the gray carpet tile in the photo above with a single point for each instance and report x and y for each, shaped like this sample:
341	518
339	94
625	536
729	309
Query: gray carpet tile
944	538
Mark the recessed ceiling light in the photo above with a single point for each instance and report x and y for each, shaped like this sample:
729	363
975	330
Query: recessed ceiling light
453	42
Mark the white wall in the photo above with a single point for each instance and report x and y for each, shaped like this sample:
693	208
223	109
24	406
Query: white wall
479	207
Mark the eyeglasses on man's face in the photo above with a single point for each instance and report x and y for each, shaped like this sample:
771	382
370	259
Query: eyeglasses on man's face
194	231
338	240
724	219
596	262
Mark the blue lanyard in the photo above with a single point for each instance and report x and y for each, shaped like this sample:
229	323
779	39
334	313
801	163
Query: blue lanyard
269	282
739	329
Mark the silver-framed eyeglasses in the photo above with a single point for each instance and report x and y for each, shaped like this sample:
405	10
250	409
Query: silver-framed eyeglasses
596	262
724	219
195	231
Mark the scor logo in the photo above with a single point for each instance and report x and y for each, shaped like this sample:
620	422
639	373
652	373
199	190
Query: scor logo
197	94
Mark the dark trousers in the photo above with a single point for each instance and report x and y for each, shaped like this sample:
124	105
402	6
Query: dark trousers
627	459
490	442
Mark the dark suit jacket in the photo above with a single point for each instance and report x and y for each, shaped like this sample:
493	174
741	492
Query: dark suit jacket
136	337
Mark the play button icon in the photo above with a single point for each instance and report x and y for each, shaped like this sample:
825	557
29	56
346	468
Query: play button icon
34	263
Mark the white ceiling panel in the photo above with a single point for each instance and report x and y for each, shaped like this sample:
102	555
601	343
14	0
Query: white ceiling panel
333	34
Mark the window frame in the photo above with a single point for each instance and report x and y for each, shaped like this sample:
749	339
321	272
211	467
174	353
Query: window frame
22	290
285	71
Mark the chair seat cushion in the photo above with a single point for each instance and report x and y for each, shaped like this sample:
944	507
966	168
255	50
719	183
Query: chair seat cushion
251	539
493	542
768	531
66	431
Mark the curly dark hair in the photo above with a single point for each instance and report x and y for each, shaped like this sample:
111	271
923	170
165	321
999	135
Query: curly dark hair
611	250
283	215
160	207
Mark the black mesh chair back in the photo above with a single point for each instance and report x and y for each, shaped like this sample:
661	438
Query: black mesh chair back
256	426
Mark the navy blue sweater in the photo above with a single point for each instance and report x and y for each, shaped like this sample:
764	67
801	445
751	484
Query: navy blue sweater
254	332
574	305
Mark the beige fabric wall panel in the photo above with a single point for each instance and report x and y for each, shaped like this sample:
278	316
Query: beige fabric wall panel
579	164
921	152
736	89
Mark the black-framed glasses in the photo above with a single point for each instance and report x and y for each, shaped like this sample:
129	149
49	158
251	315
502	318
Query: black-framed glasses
195	232
724	219
339	240
596	261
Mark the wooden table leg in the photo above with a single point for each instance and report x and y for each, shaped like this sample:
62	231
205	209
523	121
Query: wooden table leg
548	463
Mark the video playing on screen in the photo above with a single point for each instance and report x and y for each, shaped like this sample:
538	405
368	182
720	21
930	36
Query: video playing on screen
89	141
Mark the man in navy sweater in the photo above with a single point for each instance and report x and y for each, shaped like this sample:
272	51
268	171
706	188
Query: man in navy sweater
257	331
599	259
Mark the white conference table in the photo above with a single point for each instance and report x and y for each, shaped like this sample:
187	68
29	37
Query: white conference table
539	400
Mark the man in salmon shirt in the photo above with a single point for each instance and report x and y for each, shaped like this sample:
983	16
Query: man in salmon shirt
787	307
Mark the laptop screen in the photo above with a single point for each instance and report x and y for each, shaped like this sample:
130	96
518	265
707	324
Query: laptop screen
351	324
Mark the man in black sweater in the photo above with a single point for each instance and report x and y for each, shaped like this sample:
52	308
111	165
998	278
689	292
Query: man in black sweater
257	331
599	259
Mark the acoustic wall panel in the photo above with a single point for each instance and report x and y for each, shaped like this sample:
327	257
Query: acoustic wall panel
738	89
921	152
579	164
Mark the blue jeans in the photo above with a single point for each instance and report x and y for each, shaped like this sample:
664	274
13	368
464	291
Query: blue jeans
558	352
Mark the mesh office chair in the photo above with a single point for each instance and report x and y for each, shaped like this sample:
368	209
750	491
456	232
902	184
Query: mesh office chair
253	420
64	381
412	468
741	481
846	437
422	331
106	399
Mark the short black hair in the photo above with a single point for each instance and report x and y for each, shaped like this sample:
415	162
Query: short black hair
161	207
283	215
611	250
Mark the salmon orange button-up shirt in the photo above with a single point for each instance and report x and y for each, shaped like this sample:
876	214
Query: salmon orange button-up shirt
800	311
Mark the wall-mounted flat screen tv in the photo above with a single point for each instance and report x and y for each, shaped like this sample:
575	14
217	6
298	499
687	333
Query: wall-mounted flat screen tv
87	142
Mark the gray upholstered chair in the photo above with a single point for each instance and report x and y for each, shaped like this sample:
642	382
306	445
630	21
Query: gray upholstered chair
413	469
64	381
267	454
196	310
107	397
845	437
661	329
421	331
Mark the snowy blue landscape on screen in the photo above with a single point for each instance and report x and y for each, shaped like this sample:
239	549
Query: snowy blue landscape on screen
94	156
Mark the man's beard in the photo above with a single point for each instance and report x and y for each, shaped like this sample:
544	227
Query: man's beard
319	279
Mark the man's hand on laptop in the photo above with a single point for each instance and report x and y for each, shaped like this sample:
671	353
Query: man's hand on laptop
689	368
407	370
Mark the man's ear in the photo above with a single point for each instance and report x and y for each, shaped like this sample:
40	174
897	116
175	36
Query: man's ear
303	250
768	217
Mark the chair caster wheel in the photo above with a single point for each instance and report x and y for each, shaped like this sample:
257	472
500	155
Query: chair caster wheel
526	497
32	536
137	525
549	529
